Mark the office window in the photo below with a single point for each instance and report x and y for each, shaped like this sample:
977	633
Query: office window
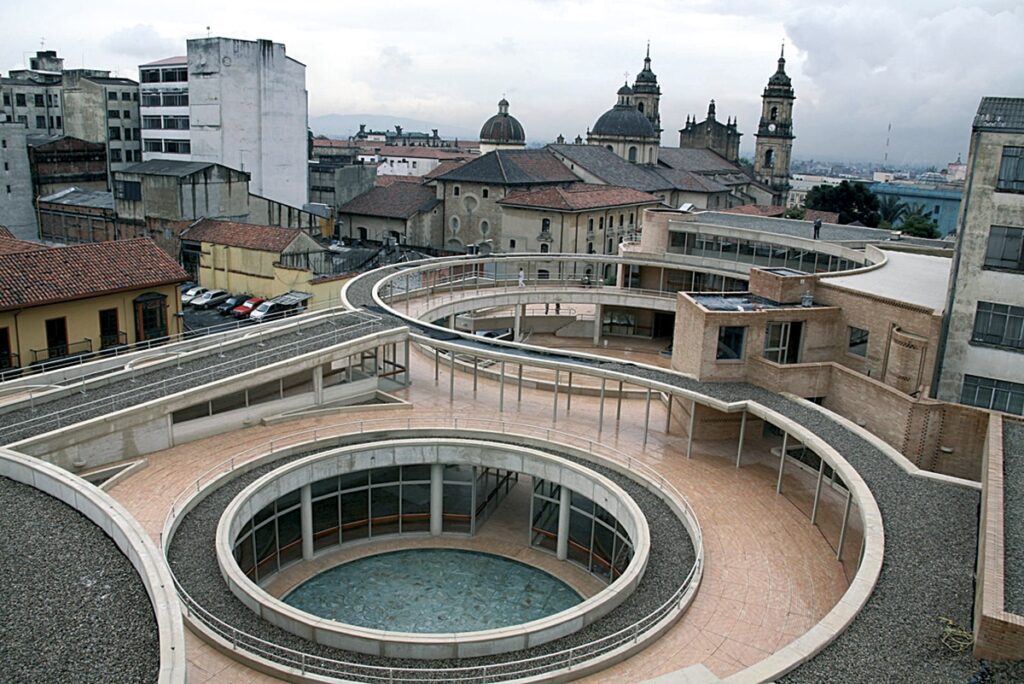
39	100
1011	170
150	99
1005	248
179	123
857	341
126	96
19	99
111	95
730	342
114	133
177	146
115	156
150	76
114	113
999	324
153	145
126	114
989	393
40	122
152	122
175	75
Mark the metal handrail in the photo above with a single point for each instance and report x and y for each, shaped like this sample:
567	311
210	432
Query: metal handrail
65	416
564	659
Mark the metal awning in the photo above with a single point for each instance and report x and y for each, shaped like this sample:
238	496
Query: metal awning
293	298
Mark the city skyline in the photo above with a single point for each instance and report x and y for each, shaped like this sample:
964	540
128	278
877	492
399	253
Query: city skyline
919	67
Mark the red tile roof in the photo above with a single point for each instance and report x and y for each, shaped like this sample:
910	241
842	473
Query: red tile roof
6	233
390	179
245	235
756	210
13	245
59	274
398	200
579	197
825	216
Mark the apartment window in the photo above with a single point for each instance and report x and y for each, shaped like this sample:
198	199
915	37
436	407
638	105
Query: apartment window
40	122
114	113
175	75
60	122
456	190
19	99
126	114
179	123
23	119
999	324
7	100
989	393
590	225
39	100
176	99
128	134
177	146
152	122
153	145
150	76
114	133
111	95
115	156
730	342
1011	170
1005	248
150	99
128	190
126	96
857	341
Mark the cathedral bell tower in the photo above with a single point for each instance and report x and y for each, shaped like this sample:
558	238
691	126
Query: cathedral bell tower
775	133
647	93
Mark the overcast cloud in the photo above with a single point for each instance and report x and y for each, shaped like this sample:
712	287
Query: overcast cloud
921	65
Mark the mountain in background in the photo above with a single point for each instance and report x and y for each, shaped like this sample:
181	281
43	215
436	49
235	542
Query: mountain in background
344	125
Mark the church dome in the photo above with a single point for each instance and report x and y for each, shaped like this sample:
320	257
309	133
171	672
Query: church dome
625	121
503	128
625	90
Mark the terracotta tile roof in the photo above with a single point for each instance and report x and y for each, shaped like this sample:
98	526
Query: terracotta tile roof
756	210
579	197
390	179
12	245
825	216
245	235
326	142
398	200
58	274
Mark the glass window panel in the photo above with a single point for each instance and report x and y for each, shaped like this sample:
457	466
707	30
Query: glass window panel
581	502
545	524
266	550
289	536
264	513
384	475
288	500
458	473
415	507
580	530
384	509
413	473
326	531
353	480
325	486
458	508
244	557
603	548
355	515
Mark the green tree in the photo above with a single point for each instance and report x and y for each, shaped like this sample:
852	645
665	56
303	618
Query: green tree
852	201
797	213
919	226
891	209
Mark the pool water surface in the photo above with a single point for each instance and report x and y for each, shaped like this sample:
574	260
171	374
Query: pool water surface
433	591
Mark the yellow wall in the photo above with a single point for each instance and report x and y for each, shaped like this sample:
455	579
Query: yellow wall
27	328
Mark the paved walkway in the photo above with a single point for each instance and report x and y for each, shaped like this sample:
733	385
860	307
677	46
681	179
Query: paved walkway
769	575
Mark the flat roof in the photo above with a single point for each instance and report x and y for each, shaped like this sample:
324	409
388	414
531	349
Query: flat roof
912	278
741	301
830	232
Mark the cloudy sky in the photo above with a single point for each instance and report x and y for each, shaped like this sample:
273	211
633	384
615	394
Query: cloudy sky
921	65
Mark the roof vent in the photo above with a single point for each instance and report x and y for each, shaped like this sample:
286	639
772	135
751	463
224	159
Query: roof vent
807	299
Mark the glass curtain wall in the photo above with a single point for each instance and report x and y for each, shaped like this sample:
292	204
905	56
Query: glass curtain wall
756	253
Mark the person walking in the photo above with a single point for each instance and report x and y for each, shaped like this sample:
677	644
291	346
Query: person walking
817	228
522	278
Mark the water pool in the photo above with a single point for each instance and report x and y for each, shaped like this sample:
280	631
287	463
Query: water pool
433	591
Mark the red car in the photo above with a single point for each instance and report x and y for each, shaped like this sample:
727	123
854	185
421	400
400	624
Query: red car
247	307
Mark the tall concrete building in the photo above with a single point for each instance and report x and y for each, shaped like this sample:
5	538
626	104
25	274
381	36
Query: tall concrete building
983	337
248	110
16	210
163	87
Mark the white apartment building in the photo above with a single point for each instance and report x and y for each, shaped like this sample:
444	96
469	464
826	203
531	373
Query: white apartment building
248	110
164	109
983	337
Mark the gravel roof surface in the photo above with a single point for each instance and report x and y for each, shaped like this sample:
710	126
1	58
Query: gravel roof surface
931	531
1013	515
154	383
193	560
72	607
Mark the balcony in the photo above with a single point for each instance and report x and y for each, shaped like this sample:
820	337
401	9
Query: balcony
61	351
115	339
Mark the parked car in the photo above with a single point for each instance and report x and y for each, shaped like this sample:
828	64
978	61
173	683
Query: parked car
225	307
188	295
247	307
265	311
210	298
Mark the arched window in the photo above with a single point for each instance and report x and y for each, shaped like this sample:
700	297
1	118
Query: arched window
590	225
601	223
640	106
543	274
484	193
512	244
545	225
632	153
485	227
769	158
622	220
610	148
545	248
590	250
455	224
630	218
456	190
774	114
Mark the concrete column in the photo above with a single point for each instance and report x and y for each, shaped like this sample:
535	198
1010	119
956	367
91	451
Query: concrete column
647	415
568	394
739	446
318	385
501	388
668	415
817	491
451	377
782	462
842	529
598	314
436	498
476	362
562	547
693	423
437	364
408	377
519	391
600	411
306	520
554	403
517	323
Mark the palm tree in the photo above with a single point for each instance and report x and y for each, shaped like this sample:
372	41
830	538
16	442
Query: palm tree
892	209
918	210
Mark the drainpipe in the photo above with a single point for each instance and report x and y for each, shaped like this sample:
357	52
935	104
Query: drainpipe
954	272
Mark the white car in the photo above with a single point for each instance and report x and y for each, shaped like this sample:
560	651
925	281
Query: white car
192	293
265	310
209	298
